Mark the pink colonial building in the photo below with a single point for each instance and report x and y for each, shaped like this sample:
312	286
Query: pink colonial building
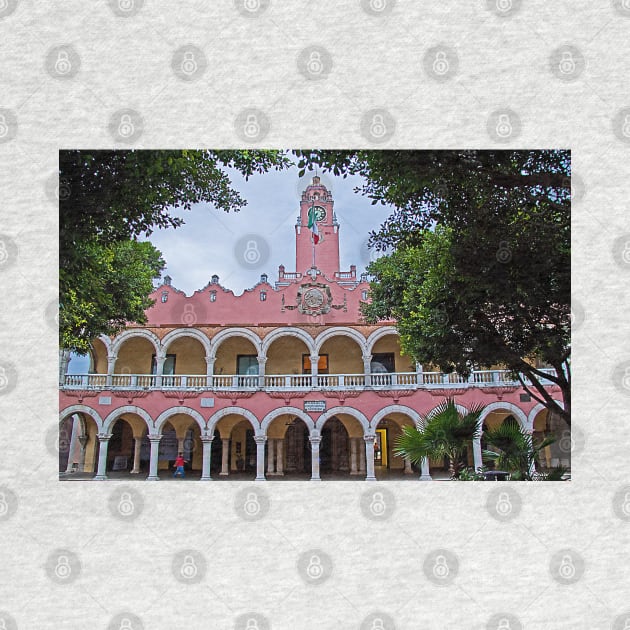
283	380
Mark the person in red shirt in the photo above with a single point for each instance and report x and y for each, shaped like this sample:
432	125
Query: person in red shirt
179	465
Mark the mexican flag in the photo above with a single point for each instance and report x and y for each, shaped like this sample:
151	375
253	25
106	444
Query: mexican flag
312	224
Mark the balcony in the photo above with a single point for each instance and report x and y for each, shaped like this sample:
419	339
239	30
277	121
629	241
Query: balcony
294	382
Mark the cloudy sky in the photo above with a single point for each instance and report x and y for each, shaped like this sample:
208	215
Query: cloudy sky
214	242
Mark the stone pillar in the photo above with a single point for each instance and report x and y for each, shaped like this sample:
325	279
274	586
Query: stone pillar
136	455
425	474
73	442
225	454
206	442
260	457
160	359
209	370
315	442
314	364
111	364
103	439
64	360
419	374
262	363
280	457
154	439
530	431
270	459
408	470
83	440
353	456
361	456
367	369
369	456
477	459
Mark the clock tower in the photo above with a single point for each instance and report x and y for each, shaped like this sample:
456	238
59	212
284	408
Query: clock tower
326	251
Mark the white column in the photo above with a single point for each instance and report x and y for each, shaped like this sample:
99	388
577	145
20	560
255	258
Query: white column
260	457
225	454
206	441
155	453
111	364
270	460
367	369
530	432
314	364
361	456
160	359
73	441
477	459
103	439
315	442
280	457
64	359
408	470
83	440
425	474
419	375
369	456
262	363
209	370
353	456
136	455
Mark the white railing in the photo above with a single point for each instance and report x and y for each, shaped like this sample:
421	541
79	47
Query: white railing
388	380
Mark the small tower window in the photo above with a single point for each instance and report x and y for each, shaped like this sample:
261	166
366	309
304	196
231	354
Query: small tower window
214	279
164	296
263	296
213	296
364	295
264	277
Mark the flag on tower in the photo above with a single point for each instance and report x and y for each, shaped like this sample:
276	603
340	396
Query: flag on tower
312	224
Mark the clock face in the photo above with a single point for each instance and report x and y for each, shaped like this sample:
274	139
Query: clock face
320	213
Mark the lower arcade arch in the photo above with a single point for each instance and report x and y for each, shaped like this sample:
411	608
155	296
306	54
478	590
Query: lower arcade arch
78	444
388	428
180	434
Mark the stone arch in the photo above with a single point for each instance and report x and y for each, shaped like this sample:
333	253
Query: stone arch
116	413
68	411
140	332
340	330
334	411
531	417
107	342
460	408
282	411
186	332
287	332
408	411
379	334
511	408
239	411
226	333
173	411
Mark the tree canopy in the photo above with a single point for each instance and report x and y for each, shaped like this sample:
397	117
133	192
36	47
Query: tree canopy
479	269
107	199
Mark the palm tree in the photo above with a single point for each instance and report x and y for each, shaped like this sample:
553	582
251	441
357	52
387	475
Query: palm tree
517	451
446	432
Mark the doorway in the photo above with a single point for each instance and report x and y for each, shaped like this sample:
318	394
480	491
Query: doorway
380	449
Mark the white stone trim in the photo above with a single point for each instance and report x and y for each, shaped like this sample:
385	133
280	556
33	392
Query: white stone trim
288	331
172	411
193	333
68	411
116	413
238	411
350	411
511	408
413	415
379	334
135	332
226	333
343	331
282	411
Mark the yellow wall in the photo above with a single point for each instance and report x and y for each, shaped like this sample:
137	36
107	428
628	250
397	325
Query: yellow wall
344	355
390	343
227	352
285	356
99	357
90	448
189	356
134	357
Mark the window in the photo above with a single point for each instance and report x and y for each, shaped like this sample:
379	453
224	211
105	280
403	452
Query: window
263	296
247	364
169	365
322	364
213	296
164	296
383	362
364	295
